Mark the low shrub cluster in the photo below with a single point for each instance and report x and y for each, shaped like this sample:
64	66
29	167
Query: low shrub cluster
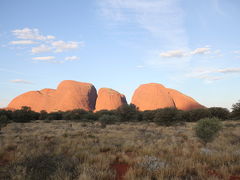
208	128
125	113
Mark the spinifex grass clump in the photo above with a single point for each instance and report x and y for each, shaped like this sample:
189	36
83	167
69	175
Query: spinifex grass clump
208	128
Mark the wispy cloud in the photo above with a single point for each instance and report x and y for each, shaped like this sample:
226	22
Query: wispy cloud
21	81
63	46
44	58
173	54
229	70
40	49
48	59
210	79
204	50
181	53
31	34
163	19
71	58
211	75
23	42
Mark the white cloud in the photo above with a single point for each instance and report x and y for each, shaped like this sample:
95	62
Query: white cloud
204	50
63	46
173	54
40	49
181	53
21	81
163	19
71	58
44	58
48	59
31	34
211	75
23	42
229	70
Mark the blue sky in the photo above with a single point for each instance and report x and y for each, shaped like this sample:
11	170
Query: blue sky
191	46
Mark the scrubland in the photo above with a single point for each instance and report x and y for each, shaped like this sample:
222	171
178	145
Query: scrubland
133	150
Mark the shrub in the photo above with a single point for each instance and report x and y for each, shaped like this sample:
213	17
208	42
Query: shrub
25	114
78	114
208	128
100	113
54	116
3	121
167	116
128	113
197	114
236	110
108	119
148	115
220	113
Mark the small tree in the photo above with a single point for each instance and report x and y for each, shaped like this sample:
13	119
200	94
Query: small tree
236	110
207	129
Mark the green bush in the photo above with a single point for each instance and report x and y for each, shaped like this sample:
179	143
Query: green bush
197	114
220	113
128	113
235	114
167	116
108	119
79	115
148	115
25	114
208	128
55	116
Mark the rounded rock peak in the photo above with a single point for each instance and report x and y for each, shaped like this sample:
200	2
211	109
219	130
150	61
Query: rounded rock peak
152	96
157	85
71	83
109	99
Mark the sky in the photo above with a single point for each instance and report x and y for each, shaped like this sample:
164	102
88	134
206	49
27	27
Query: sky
191	46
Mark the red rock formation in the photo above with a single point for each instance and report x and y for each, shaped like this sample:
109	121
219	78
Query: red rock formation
182	101
109	99
68	96
155	96
152	96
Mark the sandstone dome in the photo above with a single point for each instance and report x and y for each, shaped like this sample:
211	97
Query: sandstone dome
183	101
68	96
155	96
109	99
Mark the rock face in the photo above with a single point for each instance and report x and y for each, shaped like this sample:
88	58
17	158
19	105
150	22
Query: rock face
155	96
109	99
69	95
183	102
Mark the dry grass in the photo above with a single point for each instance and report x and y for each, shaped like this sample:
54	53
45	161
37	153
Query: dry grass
85	151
